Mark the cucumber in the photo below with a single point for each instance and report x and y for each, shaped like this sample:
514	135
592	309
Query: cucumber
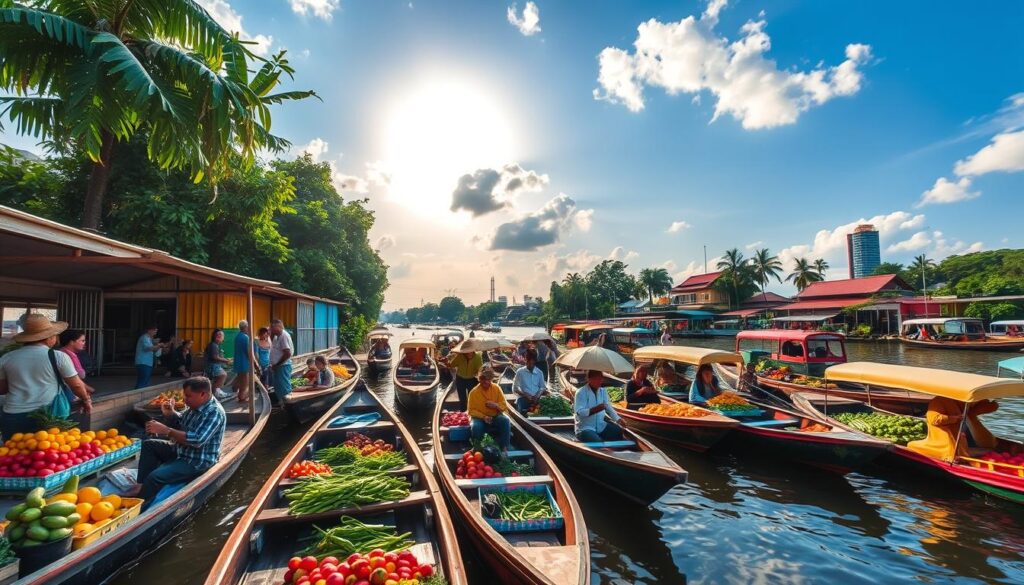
59	508
55	522
30	514
36	498
16	533
29	542
73	519
16	511
59	533
38	533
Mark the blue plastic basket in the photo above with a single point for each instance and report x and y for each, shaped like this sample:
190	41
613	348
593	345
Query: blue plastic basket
458	433
52	483
508	526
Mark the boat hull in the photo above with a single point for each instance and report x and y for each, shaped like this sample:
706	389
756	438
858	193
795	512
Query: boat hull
378	367
990	345
1004	486
416	400
692	434
303	407
814	449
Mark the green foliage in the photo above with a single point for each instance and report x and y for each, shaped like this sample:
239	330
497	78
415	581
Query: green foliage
354	329
978	311
1002	311
653	282
450	308
804	274
608	285
888	268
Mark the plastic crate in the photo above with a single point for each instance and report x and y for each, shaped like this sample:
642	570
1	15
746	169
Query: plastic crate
131	506
459	433
508	526
737	413
51	483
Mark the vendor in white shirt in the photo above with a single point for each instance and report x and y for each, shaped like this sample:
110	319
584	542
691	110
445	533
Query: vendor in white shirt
590	406
528	384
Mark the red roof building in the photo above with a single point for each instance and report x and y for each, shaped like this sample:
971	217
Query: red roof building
860	288
698	292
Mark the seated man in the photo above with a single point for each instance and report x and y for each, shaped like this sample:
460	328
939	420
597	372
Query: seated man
590	407
191	445
487	408
528	384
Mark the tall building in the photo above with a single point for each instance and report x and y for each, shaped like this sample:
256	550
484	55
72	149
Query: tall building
503	300
492	289
863	251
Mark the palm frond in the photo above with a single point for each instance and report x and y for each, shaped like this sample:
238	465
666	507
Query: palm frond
283	96
32	116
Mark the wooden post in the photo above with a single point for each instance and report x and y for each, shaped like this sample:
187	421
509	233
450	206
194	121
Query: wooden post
252	357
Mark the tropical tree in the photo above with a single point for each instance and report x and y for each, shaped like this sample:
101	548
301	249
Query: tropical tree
765	267
86	75
734	268
888	268
450	308
804	274
921	267
655	281
820	266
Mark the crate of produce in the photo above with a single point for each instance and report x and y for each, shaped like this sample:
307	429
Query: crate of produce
122	453
130	509
458	433
553	521
21	485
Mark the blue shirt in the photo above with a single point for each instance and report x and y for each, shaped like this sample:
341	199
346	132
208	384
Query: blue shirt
144	354
241	363
699	394
204	431
262	355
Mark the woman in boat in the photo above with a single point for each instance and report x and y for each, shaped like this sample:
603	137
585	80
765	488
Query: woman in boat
72	342
944	417
640	390
591	408
324	375
705	385
215	362
311	374
487	407
669	380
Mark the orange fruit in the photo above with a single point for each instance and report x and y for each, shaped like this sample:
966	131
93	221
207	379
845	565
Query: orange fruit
17	436
90	495
101	511
83	529
42	436
43	445
53	431
83	509
113	499
101	523
101	435
111	432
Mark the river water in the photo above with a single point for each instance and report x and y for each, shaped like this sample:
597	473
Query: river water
738	519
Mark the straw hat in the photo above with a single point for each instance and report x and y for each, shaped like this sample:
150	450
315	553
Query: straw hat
37	327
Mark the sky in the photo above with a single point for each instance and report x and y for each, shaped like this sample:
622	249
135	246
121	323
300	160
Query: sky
524	141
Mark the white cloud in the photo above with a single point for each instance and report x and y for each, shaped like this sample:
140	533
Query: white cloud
620	253
1005	153
942	247
320	8
918	241
945	191
350	183
693	267
400	270
677	226
690	57
377	175
584	219
222	12
384	242
315	147
529	22
831	244
555	266
754	245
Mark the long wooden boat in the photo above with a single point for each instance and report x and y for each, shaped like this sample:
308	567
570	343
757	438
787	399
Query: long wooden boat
987	344
955	333
632	467
123	548
500	361
266	536
305	405
1000	479
696	433
415	389
377	366
444	339
549	557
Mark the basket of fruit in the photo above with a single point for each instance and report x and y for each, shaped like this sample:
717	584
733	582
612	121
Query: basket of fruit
101	515
734	405
177	395
457	424
48	458
40	530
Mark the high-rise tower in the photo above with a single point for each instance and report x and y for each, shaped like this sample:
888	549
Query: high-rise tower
863	250
492	289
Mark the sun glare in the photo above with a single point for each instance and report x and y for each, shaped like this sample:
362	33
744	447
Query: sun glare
438	132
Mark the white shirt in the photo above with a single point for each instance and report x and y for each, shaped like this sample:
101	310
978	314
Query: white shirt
31	384
666	338
527	382
279	345
585	400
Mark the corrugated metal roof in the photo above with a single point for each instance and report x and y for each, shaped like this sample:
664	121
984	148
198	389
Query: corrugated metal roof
864	287
696	282
819	304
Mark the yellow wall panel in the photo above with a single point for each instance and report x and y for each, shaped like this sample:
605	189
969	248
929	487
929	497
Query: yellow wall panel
285	311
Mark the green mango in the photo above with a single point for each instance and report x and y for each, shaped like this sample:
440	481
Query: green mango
38	533
59	508
59	533
74	519
16	511
36	498
16	533
55	522
30	514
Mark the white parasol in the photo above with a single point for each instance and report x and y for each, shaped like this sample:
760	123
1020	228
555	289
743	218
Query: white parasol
594	358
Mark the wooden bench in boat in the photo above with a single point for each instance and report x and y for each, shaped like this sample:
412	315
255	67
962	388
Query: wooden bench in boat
512	454
417	498
773	423
377	426
624	444
502	481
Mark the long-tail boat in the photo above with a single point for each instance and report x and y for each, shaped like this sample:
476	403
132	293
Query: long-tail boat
374	365
553	556
955	333
306	405
632	467
416	385
267	535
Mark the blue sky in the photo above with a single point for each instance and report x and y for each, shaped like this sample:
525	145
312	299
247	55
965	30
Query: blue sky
777	122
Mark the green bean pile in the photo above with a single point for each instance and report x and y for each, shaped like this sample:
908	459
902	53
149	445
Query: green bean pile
352	536
337	456
523	505
382	461
320	493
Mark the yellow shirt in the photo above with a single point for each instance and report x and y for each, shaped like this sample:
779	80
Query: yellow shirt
467	365
478	398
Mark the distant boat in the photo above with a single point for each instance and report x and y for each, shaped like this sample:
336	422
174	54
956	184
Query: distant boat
304	406
955	333
416	386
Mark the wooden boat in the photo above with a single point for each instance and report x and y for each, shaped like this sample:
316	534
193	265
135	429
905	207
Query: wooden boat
444	339
625	340
266	536
126	546
549	557
999	479
377	366
500	361
955	333
697	433
416	387
632	467
806	354
305	405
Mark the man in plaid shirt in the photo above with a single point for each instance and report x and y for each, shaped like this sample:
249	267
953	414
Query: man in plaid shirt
191	443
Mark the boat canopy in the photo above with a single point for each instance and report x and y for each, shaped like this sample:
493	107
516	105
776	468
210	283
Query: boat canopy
937	320
955	385
1015	365
578	326
697	356
633	331
788	335
414	343
598	326
1018	323
801	318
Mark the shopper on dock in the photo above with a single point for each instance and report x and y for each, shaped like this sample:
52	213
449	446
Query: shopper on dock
592	407
216	362
146	352
487	407
281	351
181	359
72	343
242	364
528	384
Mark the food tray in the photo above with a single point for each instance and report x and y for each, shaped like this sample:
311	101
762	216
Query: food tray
131	507
459	433
507	526
51	483
737	413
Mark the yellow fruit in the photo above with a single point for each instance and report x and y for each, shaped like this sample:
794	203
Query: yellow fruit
83	528
31	444
53	431
17	436
72	498
83	509
43	445
74	444
3	451
101	523
101	511
42	436
90	495
112	432
101	435
65	448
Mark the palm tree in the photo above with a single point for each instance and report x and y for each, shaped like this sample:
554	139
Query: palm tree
765	267
820	266
732	266
921	265
804	274
82	76
575	286
656	281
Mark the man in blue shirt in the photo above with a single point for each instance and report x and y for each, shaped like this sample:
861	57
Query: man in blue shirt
528	384
191	441
242	364
146	350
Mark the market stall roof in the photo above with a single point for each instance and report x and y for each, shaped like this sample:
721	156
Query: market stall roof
798	318
742	313
949	384
694	313
861	287
688	355
632	330
598	326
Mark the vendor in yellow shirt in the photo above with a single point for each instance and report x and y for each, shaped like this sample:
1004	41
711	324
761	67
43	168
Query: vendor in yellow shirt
465	366
487	408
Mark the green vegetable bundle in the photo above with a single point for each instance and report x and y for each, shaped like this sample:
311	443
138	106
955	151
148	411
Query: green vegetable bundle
507	467
337	456
320	493
523	505
7	555
615	394
45	420
896	428
352	536
552	405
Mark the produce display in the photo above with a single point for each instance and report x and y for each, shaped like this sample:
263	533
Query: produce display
553	406
342	457
896	428
815	428
767	369
352	536
678	410
615	394
340	371
36	521
1005	462
299	381
343	489
95	509
454	419
7	555
45	420
44	453
374	568
366	445
519	505
472	466
307	467
731	403
177	395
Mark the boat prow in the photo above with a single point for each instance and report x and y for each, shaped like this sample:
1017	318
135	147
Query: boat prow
305	405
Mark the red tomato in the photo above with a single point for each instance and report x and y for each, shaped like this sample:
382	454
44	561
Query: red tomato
309	563
426	570
329	561
302	581
391	557
352	558
315	575
403	564
478	456
336	579
376	553
289	575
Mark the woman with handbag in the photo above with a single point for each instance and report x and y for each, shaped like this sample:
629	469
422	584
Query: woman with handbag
34	376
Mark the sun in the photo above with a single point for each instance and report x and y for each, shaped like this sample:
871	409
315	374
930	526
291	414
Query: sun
437	132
